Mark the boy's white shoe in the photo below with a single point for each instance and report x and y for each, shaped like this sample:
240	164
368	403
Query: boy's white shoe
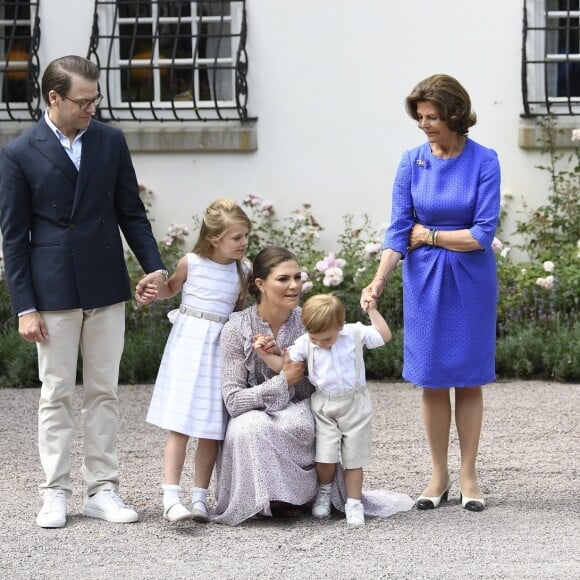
355	513
321	507
53	511
107	505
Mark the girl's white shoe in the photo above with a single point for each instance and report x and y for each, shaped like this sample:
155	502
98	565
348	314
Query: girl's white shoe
177	513
199	511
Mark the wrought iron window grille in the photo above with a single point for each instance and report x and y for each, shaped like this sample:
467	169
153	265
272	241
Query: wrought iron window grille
551	57
177	60
20	98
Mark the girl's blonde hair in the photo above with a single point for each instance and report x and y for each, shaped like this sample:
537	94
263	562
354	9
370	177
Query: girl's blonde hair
322	312
220	216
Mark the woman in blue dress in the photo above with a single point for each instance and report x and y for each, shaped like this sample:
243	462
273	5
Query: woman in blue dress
446	201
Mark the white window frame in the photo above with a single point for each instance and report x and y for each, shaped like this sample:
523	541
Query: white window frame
538	15
15	106
163	108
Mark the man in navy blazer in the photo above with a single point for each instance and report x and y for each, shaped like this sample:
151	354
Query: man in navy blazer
67	191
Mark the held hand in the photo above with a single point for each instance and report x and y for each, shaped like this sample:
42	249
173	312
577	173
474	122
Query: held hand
294	371
369	303
148	287
32	328
146	294
417	237
369	295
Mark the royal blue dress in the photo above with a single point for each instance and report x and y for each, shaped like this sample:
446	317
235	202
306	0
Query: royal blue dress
449	298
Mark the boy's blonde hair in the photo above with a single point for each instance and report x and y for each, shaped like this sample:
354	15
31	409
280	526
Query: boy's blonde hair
322	312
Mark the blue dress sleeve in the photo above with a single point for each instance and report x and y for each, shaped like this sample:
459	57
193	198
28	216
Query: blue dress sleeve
402	217
488	201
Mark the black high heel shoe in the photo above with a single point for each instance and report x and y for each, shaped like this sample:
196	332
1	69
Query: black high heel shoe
428	503
471	503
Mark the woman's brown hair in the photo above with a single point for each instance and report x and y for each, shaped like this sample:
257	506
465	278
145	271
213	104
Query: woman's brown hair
450	98
266	260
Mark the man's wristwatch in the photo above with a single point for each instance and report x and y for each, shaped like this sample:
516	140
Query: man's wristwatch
165	273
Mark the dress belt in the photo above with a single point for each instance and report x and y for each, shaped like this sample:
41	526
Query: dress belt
201	314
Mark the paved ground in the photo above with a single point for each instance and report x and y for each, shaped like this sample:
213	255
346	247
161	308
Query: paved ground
528	470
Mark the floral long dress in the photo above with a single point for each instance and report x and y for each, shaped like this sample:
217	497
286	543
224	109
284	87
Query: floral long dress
268	451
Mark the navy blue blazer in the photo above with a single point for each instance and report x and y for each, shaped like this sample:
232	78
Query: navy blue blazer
61	227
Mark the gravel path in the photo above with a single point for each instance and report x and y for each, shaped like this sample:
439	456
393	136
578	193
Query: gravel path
528	469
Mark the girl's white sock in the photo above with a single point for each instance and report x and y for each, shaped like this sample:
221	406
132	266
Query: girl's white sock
170	495
198	494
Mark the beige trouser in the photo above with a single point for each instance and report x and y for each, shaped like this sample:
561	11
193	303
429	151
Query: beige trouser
343	423
100	334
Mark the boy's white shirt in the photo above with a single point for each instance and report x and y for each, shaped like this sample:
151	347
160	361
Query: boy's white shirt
334	367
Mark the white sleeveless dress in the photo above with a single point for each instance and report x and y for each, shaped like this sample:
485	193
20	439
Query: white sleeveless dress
187	397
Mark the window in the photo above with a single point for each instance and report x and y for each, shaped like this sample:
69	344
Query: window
171	59
551	57
19	67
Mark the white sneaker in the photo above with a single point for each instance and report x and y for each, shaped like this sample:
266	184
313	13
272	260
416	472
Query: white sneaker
355	514
321	507
53	512
107	505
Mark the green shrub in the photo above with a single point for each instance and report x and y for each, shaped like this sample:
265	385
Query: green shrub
142	354
541	352
18	367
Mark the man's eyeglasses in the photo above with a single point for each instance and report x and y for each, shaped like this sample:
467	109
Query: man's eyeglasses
85	104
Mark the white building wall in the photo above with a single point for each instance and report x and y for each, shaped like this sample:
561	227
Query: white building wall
327	81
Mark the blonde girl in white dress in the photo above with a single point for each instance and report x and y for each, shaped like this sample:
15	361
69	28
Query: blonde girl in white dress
187	399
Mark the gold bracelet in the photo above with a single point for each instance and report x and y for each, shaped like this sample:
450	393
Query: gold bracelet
435	237
430	237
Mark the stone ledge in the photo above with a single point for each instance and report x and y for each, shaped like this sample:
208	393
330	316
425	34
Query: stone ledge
11	129
529	132
151	136
210	136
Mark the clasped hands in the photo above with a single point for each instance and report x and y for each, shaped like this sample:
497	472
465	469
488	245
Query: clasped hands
417	237
148	287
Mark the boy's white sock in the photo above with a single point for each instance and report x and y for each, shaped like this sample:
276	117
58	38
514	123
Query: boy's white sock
352	501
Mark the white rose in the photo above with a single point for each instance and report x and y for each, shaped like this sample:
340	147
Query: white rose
548	266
